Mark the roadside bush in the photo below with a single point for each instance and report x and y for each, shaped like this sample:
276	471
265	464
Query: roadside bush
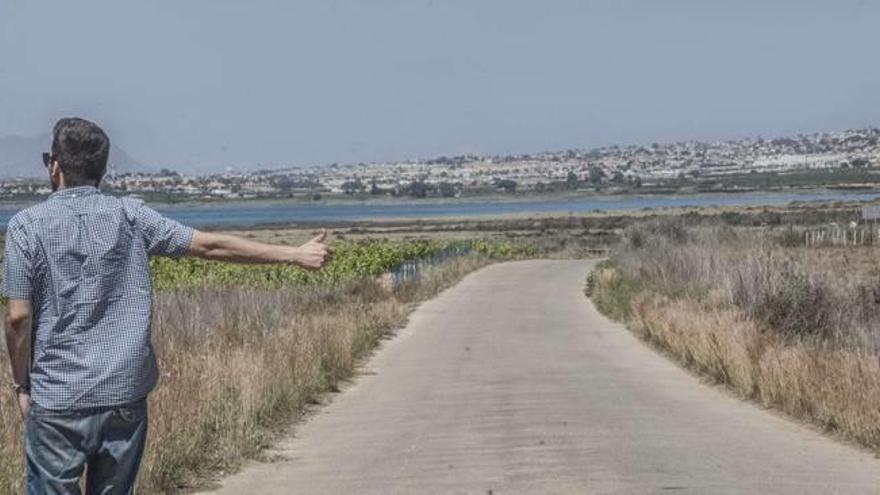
796	307
641	234
789	238
611	291
504	249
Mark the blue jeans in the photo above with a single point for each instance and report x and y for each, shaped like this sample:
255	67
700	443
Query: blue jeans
106	443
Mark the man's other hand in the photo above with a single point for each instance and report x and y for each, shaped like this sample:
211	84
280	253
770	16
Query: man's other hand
24	404
314	254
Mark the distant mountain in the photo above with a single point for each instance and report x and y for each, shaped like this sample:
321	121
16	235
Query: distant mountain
20	156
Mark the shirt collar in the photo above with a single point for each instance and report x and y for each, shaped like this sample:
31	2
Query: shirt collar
74	192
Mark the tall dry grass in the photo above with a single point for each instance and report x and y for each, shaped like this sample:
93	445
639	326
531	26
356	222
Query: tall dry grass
240	364
792	328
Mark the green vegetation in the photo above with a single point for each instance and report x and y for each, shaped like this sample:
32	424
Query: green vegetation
351	261
612	296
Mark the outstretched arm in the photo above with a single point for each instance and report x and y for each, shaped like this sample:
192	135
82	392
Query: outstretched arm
219	247
166	237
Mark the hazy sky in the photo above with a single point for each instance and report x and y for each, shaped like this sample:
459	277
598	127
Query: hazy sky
211	83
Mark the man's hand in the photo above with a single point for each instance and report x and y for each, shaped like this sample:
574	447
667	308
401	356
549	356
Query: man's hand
315	253
24	404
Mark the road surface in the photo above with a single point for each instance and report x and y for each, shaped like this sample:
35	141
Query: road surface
511	382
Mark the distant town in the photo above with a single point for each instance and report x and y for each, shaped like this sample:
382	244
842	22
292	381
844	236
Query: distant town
847	159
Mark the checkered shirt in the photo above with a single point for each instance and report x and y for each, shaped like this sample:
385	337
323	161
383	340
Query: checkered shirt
81	259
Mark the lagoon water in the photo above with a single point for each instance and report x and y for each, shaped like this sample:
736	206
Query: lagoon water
249	214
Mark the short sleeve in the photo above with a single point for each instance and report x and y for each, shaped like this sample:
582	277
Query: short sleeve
162	235
17	265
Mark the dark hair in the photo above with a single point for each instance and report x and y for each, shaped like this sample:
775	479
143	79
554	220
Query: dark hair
82	150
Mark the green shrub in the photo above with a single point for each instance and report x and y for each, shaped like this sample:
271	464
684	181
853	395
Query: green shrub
612	291
796	307
790	237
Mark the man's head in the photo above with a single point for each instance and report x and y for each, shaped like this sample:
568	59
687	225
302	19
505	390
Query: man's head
79	153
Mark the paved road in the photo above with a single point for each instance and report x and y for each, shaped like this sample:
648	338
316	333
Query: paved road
512	383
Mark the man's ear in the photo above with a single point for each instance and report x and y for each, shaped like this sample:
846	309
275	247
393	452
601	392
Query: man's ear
56	173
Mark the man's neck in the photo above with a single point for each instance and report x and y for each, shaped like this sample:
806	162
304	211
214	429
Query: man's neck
64	186
73	191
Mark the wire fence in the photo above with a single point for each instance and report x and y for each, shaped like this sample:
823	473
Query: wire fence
834	235
411	270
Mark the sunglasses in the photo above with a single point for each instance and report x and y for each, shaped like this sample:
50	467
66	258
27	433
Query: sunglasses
48	158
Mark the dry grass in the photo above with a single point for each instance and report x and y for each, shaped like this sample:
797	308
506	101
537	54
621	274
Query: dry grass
791	328
239	365
836	389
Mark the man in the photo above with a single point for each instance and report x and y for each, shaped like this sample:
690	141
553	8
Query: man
78	325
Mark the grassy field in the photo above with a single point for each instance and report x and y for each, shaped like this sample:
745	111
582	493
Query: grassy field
572	235
244	351
790	327
559	236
